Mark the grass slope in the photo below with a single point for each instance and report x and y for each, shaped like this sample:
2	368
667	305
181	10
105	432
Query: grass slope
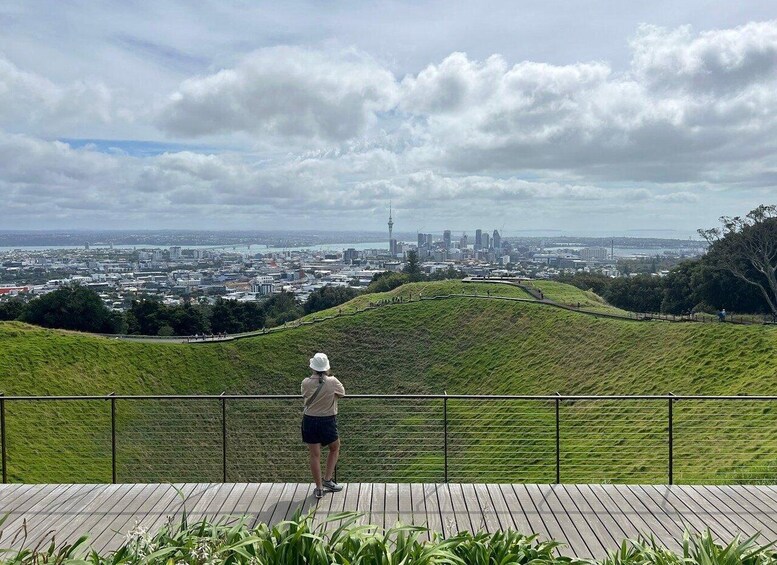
458	345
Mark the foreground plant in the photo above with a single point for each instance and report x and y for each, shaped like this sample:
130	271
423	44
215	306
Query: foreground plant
339	540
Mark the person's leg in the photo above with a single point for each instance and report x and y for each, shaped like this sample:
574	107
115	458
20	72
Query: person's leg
315	462
331	459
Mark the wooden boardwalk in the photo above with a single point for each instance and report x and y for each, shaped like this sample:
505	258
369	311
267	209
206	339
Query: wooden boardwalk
589	519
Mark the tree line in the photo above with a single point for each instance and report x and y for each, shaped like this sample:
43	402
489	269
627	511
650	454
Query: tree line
738	273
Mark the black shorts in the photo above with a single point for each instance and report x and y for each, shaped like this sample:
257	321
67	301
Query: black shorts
319	429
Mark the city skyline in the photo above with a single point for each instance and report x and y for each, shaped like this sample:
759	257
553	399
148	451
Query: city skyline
650	119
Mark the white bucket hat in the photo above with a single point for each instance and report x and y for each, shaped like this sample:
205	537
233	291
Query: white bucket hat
320	362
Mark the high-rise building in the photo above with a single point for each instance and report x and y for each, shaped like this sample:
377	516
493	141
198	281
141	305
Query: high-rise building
175	253
446	239
478	240
429	240
496	240
421	240
485	241
463	241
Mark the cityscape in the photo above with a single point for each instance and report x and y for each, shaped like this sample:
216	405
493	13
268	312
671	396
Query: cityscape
244	272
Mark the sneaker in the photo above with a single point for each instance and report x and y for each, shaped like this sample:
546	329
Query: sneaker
331	486
318	493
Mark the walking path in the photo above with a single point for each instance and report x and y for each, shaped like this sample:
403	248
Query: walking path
589	519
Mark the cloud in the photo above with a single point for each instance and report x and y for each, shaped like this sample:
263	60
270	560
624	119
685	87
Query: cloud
284	92
719	60
31	101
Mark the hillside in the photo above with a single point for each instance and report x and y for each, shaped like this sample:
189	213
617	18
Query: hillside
458	345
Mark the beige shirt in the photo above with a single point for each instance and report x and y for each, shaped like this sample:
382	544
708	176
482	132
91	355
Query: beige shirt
325	403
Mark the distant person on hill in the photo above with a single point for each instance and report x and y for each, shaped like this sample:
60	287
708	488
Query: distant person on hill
722	315
320	392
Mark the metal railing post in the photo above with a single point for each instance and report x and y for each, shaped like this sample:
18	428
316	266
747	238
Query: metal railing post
445	432
223	438
2	438
113	437
558	440
671	440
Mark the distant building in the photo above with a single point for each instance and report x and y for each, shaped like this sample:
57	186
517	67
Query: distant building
446	239
175	253
350	255
478	240
263	285
421	240
594	254
496	240
485	242
429	240
463	241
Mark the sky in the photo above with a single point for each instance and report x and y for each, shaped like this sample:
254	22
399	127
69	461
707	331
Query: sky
588	117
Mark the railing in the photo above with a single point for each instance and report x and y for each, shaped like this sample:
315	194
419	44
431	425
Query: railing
417	438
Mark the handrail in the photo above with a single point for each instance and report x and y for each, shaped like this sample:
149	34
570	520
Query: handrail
529	397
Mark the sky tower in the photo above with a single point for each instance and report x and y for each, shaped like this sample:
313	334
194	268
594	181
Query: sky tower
392	246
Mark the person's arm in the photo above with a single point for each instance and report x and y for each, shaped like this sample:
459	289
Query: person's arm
339	388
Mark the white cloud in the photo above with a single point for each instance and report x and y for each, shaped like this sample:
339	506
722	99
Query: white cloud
285	92
31	101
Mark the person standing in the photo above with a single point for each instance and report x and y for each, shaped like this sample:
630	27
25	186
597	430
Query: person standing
320	392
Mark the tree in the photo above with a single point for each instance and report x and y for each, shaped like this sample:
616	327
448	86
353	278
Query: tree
328	297
747	248
412	268
11	309
72	307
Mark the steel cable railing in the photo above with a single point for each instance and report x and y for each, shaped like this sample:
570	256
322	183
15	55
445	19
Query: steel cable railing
393	438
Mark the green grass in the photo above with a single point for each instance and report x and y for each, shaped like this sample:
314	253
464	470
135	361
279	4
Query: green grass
458	345
569	295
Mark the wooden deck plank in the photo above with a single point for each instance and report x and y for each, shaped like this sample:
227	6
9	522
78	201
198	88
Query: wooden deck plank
486	508
260	499
82	523
364	503
748	525
300	498
702	507
418	505
38	500
433	517
622	509
756	510
378	507
282	504
152	497
226	512
546	524
476	517
447	514
685	511
641	515
269	502
589	527
612	531
244	502
463	522
405	498
392	506
59	513
120	514
503	514
171	506
546	495
10	494
517	510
